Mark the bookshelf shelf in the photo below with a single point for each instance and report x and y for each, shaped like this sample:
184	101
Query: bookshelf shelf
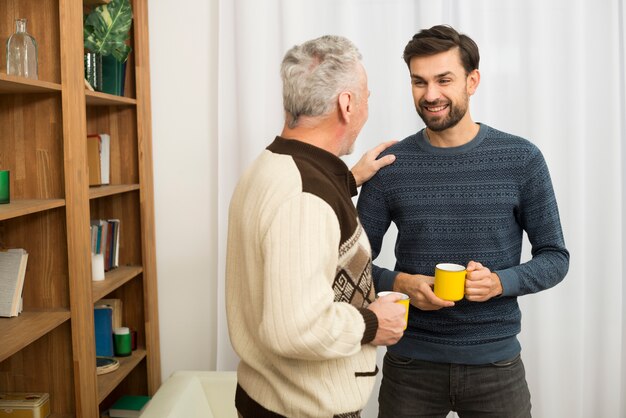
23	207
113	280
22	330
44	124
109	190
94	98
108	382
16	85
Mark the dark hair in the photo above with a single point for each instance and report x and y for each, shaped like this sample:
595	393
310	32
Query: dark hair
442	38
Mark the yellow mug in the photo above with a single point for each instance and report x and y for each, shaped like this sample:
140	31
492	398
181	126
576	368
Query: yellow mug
404	300
450	281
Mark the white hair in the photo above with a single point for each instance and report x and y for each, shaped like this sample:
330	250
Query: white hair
315	73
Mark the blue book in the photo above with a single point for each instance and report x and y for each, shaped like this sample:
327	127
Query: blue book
103	326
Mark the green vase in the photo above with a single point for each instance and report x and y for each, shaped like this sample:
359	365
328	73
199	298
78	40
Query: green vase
113	75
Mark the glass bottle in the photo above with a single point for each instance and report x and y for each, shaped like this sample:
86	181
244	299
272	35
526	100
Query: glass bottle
22	52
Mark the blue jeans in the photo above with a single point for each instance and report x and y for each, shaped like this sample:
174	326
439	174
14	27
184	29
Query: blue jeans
414	388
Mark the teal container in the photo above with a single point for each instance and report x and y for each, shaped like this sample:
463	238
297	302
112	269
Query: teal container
5	190
113	75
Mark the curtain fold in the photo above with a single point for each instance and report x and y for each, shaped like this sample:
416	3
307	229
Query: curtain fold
552	72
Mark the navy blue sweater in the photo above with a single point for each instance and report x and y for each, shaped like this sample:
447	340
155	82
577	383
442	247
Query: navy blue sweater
454	205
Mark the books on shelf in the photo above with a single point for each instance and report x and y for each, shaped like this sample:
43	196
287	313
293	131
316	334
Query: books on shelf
105	240
12	273
128	406
103	328
99	159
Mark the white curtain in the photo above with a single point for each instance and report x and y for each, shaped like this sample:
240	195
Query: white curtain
553	72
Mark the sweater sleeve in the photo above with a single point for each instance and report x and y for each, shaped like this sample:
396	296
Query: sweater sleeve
375	217
300	318
539	217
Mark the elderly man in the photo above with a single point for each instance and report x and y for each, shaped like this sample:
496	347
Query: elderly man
301	306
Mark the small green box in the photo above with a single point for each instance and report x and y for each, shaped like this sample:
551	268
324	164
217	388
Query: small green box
5	186
128	406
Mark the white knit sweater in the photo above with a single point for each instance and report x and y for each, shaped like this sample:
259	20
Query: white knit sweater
298	280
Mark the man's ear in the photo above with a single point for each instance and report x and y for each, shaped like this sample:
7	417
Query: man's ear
344	102
473	80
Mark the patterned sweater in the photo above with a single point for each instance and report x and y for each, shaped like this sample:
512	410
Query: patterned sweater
298	281
458	204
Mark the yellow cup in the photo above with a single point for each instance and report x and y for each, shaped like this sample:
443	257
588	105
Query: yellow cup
403	301
450	281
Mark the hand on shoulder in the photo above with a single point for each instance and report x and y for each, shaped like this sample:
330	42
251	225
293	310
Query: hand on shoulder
369	164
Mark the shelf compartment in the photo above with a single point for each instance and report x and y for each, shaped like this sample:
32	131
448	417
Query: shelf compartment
10	84
95	98
20	331
22	207
96	192
108	382
113	280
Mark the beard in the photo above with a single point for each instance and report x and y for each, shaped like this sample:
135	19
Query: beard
441	123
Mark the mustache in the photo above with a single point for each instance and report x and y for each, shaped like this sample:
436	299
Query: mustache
438	102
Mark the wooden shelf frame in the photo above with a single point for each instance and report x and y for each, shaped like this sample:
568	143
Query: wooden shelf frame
23	207
43	141
110	190
113	280
108	382
16	85
20	331
94	98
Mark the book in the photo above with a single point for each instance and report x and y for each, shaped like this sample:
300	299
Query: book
99	159
103	328
12	273
105	240
105	158
116	314
114	261
93	160
128	406
99	228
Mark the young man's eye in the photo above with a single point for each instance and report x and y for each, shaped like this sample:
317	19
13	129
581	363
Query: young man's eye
444	81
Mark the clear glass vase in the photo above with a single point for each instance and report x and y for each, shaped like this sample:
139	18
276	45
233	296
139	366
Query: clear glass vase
22	52
93	70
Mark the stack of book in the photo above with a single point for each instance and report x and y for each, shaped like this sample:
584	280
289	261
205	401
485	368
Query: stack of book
12	273
105	240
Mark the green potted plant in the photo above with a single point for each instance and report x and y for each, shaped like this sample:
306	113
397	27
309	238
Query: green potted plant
106	31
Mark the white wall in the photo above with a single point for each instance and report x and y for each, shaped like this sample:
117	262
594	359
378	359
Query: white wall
183	64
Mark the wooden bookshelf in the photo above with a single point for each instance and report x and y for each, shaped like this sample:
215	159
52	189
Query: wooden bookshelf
44	123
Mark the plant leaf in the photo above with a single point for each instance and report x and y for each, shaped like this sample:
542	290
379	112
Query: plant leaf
107	28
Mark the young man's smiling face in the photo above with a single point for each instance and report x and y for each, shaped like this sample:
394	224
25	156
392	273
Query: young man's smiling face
441	89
